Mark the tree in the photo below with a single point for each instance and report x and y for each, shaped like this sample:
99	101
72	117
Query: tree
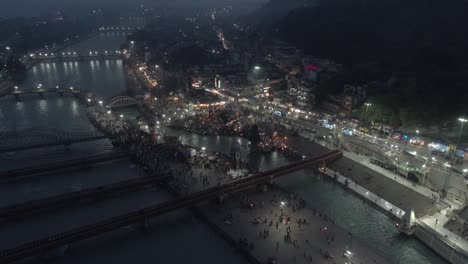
254	135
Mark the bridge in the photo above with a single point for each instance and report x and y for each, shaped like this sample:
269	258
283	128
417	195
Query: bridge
122	101
14	175
43	137
74	56
54	202
118	28
41	92
41	246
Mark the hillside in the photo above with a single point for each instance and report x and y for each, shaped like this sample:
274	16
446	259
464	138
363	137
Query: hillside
417	46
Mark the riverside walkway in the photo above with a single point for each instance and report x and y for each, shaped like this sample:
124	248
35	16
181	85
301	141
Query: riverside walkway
278	226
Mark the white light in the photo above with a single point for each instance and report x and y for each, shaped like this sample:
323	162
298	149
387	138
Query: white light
56	87
89	100
71	88
132	42
8	48
100	102
257	67
121	116
465	170
203	148
109	112
16	87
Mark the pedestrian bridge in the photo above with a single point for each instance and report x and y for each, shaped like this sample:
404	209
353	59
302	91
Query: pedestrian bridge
42	92
123	101
74	56
40	137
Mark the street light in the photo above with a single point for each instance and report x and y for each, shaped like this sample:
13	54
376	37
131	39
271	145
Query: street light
257	68
463	121
121	116
100	102
367	106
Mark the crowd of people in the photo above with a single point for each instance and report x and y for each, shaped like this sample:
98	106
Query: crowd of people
105	121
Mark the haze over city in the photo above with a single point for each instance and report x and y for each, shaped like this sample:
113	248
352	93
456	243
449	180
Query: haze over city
234	131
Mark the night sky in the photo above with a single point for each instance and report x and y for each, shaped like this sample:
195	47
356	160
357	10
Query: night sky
13	8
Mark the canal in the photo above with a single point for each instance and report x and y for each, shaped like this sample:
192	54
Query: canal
174	238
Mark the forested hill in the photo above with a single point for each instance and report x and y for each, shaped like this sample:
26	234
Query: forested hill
367	29
422	43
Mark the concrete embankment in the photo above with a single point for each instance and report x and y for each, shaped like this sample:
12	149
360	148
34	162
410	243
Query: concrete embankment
388	196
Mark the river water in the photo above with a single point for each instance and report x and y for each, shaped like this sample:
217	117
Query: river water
177	237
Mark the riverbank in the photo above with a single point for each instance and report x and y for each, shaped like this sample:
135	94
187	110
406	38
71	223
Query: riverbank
254	222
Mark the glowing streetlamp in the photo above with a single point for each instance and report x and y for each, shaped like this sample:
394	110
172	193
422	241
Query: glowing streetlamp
463	121
367	106
257	68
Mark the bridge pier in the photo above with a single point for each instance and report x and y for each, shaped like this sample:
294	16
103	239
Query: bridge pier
143	226
41	95
55	253
17	97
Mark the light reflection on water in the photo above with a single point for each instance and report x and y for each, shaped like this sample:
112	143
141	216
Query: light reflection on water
106	80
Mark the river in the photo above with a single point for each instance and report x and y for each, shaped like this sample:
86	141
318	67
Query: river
177	237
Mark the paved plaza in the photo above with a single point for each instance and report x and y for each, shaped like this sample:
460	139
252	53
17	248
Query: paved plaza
278	226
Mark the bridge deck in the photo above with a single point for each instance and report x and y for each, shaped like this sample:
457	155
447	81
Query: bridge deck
29	207
41	246
51	144
12	175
